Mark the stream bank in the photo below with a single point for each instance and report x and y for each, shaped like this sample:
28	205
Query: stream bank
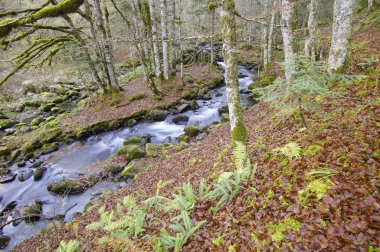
77	160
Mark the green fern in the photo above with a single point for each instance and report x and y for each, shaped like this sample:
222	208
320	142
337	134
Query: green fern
239	155
70	246
290	150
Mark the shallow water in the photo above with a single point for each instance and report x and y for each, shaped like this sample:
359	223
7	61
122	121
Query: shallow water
75	160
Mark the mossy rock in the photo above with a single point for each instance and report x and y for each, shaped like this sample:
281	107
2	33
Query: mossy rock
2	116
36	121
72	93
25	175
158	115
180	118
4	151
191	130
55	109
50	135
4	241
133	152
48	148
50	118
15	154
57	99
133	140
130	171
194	104
6	123
36	164
30	146
34	212
67	186
46	107
183	138
39	173
225	117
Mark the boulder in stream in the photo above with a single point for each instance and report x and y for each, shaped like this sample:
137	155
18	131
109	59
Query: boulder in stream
133	140
6	176
25	175
4	241
191	130
158	115
68	186
133	152
183	107
39	173
32	212
48	148
180	118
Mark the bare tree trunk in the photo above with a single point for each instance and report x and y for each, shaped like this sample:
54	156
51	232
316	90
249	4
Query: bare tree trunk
156	50
311	30
270	35
165	44
227	18
105	44
342	27
180	35
370	5
264	35
173	38
287	37
212	39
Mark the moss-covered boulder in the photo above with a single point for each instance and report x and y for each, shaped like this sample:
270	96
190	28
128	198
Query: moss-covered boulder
36	164
46	107
15	154
55	109
6	123
158	115
133	140
225	117
25	175
67	186
2	116
39	173
48	148
3	151
130	171
133	151
4	241
32	212
191	130
180	118
57	99
50	118
36	121
72	94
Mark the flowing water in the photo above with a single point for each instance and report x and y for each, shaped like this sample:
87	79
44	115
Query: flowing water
75	160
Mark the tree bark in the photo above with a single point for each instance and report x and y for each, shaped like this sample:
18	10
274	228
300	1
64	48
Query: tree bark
342	26
311	31
227	18
287	37
264	34
156	50
105	44
173	38
212	39
165	44
370	5
270	35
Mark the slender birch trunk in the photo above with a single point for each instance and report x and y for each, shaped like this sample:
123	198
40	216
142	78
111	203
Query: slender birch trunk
287	37
165	44
181	46
227	19
270	35
342	27
212	39
311	30
105	44
173	37
156	50
370	5
264	35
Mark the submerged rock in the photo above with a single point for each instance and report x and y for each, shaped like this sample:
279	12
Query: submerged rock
39	173
158	115
180	118
68	186
4	241
25	175
192	130
32	212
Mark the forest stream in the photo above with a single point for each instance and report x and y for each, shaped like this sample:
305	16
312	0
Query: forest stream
76	159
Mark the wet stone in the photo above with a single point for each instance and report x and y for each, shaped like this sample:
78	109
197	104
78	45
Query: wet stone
25	175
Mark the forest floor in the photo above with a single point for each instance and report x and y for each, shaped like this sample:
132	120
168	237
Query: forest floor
340	212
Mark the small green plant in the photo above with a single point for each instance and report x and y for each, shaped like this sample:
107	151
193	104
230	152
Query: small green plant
70	246
290	150
277	232
183	229
316	188
137	97
218	240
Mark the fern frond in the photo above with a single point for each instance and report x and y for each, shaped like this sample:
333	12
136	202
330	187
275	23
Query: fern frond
290	150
